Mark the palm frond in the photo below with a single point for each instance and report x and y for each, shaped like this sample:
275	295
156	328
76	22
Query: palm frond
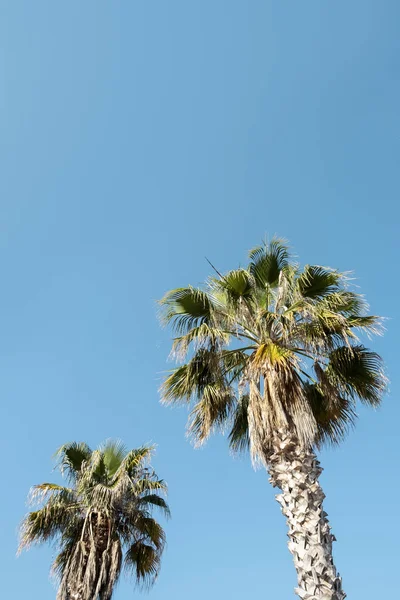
236	284
369	323
212	411
114	452
152	531
334	419
179	386
102	496
154	500
149	484
71	456
189	380
135	460
185	308
233	363
318	282
271	354
63	557
345	302
93	471
204	335
358	373
144	562
45	524
41	493
267	262
320	335
239	440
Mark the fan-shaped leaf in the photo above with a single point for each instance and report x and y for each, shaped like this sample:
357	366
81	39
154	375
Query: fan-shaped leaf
237	284
71	456
267	262
114	452
144	561
358	373
186	308
239	439
317	282
211	411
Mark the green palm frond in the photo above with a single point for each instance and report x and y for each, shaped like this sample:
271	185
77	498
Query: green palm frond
358	373
239	439
149	484
271	354
71	456
318	282
185	308
190	379
40	493
204	335
178	386
369	323
334	418
346	302
114	452
233	364
135	460
152	531
93	470
236	285
144	561
268	261
42	525
212	411
320	335
154	500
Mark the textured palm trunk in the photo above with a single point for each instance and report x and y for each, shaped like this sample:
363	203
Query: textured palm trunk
85	576
296	472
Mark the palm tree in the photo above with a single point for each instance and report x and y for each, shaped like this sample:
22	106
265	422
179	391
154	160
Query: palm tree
271	351
102	522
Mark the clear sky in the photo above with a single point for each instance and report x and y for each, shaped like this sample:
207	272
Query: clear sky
136	139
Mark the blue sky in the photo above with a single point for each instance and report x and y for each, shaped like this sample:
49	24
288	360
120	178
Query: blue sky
136	139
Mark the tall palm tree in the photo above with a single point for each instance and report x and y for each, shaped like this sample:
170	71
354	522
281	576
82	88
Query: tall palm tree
102	521
271	351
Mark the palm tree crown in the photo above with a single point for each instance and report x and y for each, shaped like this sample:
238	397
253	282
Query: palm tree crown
102	521
272	347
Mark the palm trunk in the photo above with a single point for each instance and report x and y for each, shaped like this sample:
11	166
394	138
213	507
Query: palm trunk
296	472
85	577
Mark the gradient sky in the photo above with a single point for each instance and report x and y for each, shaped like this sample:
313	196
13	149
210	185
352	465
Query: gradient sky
136	139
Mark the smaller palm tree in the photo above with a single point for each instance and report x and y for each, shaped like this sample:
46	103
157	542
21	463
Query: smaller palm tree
102	522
